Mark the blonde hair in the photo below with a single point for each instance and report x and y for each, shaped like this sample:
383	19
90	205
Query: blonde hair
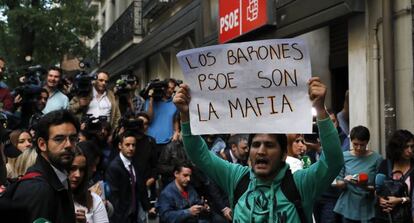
18	166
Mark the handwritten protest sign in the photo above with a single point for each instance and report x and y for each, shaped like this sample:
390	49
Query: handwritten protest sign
250	87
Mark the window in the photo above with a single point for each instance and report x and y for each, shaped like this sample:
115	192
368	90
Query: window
210	17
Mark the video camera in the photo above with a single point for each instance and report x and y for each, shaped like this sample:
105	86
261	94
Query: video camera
82	83
158	87
133	125
121	86
30	84
94	124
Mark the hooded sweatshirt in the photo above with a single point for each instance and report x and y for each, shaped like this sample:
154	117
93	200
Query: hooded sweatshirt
264	201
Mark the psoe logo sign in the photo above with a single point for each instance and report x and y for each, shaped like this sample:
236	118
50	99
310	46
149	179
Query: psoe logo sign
238	17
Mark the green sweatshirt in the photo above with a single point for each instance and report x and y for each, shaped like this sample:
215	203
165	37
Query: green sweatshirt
264	201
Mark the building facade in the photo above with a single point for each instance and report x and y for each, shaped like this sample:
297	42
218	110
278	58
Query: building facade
364	46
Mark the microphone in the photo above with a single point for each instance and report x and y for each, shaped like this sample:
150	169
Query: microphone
363	178
379	188
360	178
379	183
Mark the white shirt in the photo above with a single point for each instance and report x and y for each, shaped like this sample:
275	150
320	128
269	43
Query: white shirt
295	164
99	105
63	176
98	212
127	163
233	158
57	100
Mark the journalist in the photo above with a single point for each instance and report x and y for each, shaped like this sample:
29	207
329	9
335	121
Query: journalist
163	114
358	191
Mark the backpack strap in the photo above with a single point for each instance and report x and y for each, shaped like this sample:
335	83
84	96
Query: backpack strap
390	173
11	188
241	187
288	187
29	176
389	168
407	174
291	192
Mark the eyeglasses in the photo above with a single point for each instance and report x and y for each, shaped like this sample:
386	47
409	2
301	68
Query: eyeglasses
59	139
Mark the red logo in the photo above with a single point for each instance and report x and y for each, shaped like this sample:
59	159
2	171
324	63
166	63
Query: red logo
237	17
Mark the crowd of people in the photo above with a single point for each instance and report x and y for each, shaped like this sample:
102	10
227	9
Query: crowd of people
124	155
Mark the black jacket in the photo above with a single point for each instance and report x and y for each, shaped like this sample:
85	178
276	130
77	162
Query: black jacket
145	157
45	196
117	176
171	155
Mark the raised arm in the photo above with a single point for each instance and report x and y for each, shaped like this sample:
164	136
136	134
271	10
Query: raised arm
318	177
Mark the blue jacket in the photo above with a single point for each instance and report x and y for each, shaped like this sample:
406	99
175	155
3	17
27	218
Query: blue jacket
172	207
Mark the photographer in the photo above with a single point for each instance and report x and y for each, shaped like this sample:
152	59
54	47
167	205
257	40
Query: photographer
98	130
57	100
79	104
103	101
164	122
28	110
126	90
138	102
81	89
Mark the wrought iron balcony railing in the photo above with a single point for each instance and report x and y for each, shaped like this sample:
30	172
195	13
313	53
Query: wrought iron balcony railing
122	31
153	8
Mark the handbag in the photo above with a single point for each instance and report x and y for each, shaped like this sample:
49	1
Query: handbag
396	187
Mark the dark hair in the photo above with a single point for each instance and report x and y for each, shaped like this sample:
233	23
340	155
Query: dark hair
235	139
183	164
43	90
397	143
81	194
55	118
90	149
2	59
280	138
57	69
170	79
125	135
143	114
360	132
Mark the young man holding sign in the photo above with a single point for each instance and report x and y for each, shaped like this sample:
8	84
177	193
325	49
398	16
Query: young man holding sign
265	199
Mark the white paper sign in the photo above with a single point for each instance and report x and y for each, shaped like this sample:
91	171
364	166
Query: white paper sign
249	87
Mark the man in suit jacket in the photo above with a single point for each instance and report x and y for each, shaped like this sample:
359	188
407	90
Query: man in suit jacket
127	191
237	151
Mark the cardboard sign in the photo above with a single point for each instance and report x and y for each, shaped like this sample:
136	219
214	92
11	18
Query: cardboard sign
250	87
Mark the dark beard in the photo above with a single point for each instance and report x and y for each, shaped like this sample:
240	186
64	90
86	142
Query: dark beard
58	162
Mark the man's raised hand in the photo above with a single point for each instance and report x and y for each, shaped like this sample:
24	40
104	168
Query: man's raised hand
317	93
182	100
